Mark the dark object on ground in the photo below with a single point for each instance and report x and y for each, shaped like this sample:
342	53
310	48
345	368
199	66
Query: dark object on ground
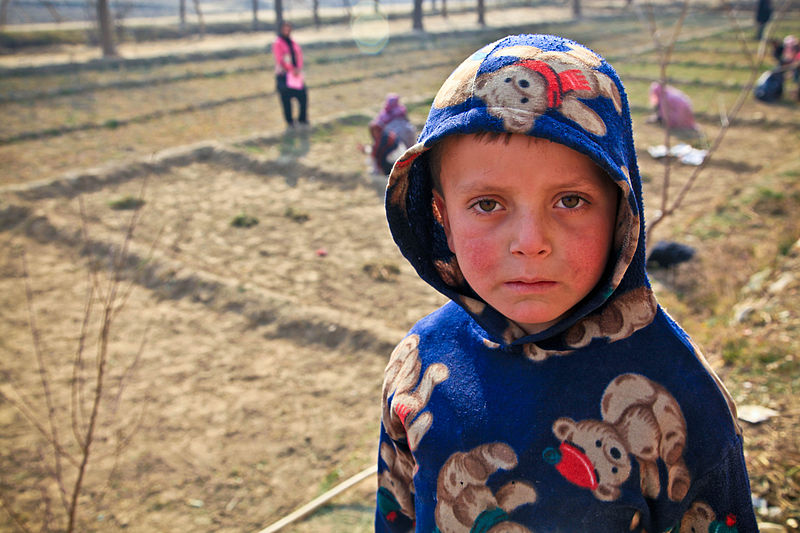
769	86
668	254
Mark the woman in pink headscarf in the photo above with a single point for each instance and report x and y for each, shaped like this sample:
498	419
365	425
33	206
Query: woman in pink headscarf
391	131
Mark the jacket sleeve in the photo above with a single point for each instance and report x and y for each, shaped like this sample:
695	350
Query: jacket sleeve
396	463
721	499
395	500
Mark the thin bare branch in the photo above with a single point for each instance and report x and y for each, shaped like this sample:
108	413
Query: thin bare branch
729	115
33	419
118	263
108	314
43	376
102	359
123	441
93	269
124	438
126	292
727	118
122	380
88	397
47	517
15	517
76	396
129	288
664	51
676	31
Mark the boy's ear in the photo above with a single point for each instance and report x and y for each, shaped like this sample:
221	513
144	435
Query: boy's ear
440	212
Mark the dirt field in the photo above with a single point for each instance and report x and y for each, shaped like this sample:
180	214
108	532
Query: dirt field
256	303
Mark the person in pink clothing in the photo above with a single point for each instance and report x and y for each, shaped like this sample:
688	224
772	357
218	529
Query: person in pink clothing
390	131
289	77
790	61
673	108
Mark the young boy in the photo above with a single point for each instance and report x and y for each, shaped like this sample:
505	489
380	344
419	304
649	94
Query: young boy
552	394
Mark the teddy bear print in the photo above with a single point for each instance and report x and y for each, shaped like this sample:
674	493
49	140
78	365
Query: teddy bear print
640	418
454	90
465	503
700	518
538	81
624	315
411	395
395	484
626	231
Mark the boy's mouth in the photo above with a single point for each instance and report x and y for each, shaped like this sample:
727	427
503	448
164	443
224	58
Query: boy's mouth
530	286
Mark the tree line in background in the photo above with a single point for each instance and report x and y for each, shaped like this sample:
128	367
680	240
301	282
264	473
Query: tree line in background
107	24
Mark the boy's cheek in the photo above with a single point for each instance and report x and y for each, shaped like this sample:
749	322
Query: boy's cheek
474	257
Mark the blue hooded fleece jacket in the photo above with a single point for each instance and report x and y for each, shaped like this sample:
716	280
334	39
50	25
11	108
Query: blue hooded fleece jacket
609	420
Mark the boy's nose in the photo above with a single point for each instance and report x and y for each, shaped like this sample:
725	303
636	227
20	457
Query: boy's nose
530	238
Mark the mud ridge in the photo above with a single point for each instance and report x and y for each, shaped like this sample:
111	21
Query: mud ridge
291	170
72	184
279	316
190	108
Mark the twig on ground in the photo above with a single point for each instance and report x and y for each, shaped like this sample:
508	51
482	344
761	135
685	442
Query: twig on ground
314	504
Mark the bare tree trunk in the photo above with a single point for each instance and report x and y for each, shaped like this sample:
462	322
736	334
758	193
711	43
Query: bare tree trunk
481	12
315	13
200	17
576	9
255	15
53	11
444	8
105	26
278	15
4	12
416	16
182	15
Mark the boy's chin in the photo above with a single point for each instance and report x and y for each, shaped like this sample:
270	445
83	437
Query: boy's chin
538	326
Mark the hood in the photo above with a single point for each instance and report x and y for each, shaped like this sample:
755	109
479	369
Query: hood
556	89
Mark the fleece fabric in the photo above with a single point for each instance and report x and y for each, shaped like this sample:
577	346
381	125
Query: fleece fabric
608	421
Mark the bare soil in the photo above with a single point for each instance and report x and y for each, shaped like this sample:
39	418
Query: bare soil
260	293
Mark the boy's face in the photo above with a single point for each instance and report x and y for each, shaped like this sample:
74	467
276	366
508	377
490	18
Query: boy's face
530	222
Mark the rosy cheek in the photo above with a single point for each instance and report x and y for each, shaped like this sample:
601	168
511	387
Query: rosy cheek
589	255
474	254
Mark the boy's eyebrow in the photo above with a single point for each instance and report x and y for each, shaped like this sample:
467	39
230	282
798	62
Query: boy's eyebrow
478	186
581	181
591	183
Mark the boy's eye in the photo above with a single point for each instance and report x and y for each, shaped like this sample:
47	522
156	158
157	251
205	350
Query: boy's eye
486	205
571	202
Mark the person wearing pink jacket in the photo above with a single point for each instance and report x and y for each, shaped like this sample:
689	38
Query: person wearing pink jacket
289	76
672	107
